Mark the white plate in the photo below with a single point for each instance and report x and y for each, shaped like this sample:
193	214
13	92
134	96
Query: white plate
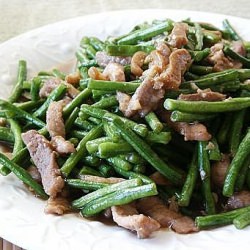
22	220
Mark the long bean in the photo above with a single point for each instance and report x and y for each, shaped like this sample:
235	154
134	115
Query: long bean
118	198
231	30
86	184
147	153
231	104
21	77
234	55
16	130
236	165
6	135
23	175
242	220
75	157
178	116
154	122
127	50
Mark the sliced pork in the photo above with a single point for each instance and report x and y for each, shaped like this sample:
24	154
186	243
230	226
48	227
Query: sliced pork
127	216
44	158
114	72
156	209
238	200
58	205
123	100
203	95
61	145
54	119
103	59
49	86
137	62
178	36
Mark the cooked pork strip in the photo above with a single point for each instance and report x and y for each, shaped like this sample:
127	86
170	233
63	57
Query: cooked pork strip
137	62
178	36
58	205
219	170
103	59
44	158
114	72
203	95
61	145
33	171
156	209
123	100
127	216
238	200
54	119
49	86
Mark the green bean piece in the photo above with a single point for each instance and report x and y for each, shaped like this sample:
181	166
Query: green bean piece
16	113
79	134
111	131
178	116
16	130
86	184
236	130
161	137
198	36
224	130
71	119
140	129
127	50
234	55
106	102
59	74
145	34
98	94
81	202
200	70
23	176
119	197
29	105
204	168
211	36
230	104
6	135
242	176
134	158
76	102
81	150
92	146
189	184
55	95
231	30
229	86
120	163
153	122
212	79
21	77
106	170
84	75
147	153
131	174
97	43
244	74
242	220
213	150
126	87
236	165
81	55
35	88
199	55
111	149
220	219
86	125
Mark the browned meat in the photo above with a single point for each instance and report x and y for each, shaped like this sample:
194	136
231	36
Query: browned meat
33	171
219	170
127	216
179	61
137	63
238	47
54	119
156	209
110	180
123	100
71	90
114	72
95	74
159	179
183	225
103	59
44	158
238	200
203	95
61	145
219	60
49	86
58	205
192	132
73	79
145	98
178	36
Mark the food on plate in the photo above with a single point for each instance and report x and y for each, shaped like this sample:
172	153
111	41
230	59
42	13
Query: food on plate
150	130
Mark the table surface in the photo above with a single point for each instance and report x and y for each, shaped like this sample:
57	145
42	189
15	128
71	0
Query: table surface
19	16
